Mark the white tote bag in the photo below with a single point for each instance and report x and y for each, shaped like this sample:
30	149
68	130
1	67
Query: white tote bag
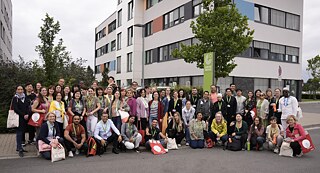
13	119
58	153
286	150
172	145
124	116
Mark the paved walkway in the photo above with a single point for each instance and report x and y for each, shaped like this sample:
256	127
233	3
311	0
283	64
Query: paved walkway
8	143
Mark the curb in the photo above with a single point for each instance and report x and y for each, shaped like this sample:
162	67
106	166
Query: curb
312	102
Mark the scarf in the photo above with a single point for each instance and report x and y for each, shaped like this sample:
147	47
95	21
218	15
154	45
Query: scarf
21	96
144	101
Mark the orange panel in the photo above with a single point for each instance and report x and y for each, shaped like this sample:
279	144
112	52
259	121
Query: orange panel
101	68
157	24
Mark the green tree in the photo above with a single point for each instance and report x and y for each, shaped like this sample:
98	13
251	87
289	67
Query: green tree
221	29
55	57
314	69
104	82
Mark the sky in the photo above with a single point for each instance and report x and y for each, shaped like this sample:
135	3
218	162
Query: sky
78	19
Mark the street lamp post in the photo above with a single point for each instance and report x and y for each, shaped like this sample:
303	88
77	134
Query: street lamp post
143	58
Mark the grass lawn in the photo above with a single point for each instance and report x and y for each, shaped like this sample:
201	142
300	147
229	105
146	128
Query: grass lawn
309	100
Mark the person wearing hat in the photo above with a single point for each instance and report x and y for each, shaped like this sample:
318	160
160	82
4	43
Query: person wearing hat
288	105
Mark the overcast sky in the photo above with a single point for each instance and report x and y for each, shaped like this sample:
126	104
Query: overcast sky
78	19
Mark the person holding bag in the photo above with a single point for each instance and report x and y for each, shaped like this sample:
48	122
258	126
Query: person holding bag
50	135
116	105
198	127
187	116
20	107
175	128
295	134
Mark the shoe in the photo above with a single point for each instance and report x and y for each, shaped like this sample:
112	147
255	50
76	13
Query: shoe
21	153
137	150
260	148
23	150
23	144
179	145
187	144
77	152
243	149
115	151
276	150
70	154
299	155
166	150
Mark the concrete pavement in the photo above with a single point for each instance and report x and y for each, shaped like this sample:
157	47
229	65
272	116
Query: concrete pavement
311	118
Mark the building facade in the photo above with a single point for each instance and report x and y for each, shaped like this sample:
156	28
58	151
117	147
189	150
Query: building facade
157	27
6	30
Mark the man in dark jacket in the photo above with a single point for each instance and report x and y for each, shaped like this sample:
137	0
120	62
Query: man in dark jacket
205	106
194	97
231	102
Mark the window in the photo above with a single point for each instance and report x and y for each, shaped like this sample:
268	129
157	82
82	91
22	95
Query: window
113	45
261	50
262	84
197	81
112	26
118	82
97	69
247	53
108	48
129	62
119	2
164	53
151	3
102	50
130	10
148	29
292	21
148	56
119	41
174	17
130	35
277	52
119	18
197	7
119	64
292	54
185	42
261	14
101	34
172	48
278	18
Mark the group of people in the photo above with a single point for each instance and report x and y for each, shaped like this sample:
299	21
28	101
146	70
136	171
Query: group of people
71	116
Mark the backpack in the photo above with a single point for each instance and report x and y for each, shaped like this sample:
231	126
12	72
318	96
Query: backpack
92	147
235	145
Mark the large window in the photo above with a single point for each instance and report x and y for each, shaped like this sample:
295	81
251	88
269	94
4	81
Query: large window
261	50
197	7
278	18
119	41
130	35
102	50
113	45
119	18
99	35
174	17
292	21
247	53
163	53
129	62
148	29
262	84
277	52
148	59
119	64
151	3
261	14
130	10
292	54
97	69
112	26
172	47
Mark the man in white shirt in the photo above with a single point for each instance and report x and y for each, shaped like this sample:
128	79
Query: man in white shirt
104	135
288	105
240	102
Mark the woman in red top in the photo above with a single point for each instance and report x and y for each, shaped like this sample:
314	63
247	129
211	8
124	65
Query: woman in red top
296	133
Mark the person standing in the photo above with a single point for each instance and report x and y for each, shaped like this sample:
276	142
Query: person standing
250	108
233	89
272	103
57	106
277	114
102	100
20	107
175	105
213	94
205	106
77	107
155	110
194	97
288	105
116	105
263	109
142	110
187	115
231	106
30	97
132	103
240	102
92	106
182	97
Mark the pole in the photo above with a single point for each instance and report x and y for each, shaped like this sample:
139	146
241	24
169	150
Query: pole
143	58
214	69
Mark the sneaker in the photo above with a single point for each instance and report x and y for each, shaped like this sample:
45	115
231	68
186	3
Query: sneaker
115	151
137	150
70	154
77	152
187	144
276	150
179	145
299	155
23	144
260	148
166	150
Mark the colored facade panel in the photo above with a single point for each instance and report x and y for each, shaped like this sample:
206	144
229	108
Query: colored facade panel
245	8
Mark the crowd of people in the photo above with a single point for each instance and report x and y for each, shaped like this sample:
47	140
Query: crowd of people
73	116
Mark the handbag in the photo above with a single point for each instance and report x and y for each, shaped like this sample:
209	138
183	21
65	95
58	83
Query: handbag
65	121
13	118
124	116
142	133
209	143
286	150
307	144
156	147
299	113
234	145
58	153
171	144
36	120
42	146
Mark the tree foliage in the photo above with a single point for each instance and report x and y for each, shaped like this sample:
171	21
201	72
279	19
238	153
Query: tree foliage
313	84
104	82
222	30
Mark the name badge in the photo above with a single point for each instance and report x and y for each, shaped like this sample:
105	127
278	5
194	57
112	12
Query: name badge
228	106
173	110
194	106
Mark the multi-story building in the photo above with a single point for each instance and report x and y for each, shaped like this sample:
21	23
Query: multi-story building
136	42
6	30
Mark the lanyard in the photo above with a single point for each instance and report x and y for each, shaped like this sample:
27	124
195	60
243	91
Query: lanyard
228	99
104	127
175	103
194	100
153	132
74	130
77	104
130	127
219	104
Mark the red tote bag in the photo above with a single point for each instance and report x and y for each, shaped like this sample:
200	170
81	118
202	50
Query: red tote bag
307	144
156	147
142	133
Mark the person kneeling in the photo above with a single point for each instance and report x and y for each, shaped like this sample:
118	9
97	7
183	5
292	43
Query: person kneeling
175	128
275	133
198	129
75	137
238	130
103	134
130	135
154	133
218	131
256	134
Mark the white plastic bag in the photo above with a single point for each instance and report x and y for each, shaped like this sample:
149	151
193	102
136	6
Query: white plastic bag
172	145
58	153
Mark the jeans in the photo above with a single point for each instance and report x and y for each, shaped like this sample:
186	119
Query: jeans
197	144
70	146
112	139
135	143
91	125
254	141
213	137
188	139
20	132
271	146
117	122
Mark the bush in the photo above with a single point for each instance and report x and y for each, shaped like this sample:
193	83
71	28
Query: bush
310	96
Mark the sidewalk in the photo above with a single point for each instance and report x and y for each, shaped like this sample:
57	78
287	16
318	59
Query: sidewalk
8	141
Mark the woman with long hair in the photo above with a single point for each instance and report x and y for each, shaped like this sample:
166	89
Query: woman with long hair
142	110
67	96
272	103
38	88
263	109
51	91
92	106
198	129
175	128
123	94
256	134
102	100
156	109
77	106
116	105
249	105
182	97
